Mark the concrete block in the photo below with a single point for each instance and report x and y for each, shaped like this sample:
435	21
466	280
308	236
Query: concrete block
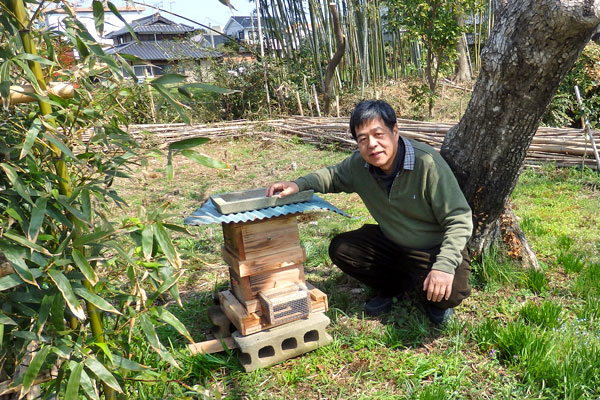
222	326
280	343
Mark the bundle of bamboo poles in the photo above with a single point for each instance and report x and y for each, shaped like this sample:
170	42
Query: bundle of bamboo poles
564	147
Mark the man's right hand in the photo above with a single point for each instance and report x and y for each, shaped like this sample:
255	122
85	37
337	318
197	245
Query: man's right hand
282	189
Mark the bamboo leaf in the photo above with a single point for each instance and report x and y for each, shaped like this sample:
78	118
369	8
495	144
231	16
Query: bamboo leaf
167	79
115	11
58	143
164	315
176	228
147	241
16	181
72	392
98	9
96	300
27	243
84	266
86	205
90	238
150	333
64	286
16	256
210	88
182	114
102	373
12	280
124	363
32	134
6	320
164	241
88	387
204	160
188	143
35	58
34	367
167	284
37	218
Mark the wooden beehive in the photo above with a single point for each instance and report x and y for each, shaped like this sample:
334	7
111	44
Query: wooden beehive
266	262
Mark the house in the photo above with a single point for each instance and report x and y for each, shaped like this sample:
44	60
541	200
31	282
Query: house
212	38
244	29
162	45
54	19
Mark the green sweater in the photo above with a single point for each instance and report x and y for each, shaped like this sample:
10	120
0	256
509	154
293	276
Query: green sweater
425	207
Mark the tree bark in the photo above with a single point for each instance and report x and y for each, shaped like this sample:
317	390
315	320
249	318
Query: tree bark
462	72
340	41
532	46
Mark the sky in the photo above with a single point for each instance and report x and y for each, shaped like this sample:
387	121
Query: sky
205	12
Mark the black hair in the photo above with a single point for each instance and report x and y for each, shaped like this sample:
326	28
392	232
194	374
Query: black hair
369	110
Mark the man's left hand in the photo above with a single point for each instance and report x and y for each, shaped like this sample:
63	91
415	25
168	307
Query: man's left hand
438	285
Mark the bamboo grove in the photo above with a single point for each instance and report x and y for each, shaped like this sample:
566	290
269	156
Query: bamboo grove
377	47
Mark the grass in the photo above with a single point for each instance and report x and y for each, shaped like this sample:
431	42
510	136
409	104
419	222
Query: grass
522	334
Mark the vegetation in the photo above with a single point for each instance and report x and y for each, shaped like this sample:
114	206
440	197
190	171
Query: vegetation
519	334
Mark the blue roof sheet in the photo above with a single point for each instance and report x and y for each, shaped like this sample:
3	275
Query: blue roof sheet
208	214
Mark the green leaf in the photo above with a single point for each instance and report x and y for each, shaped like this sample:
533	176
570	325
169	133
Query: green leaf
58	143
12	280
167	284
102	373
96	300
150	333
98	9
84	266
167	79
86	205
210	88
188	143
147	241
115	11
32	134
37	218
91	238
6	320
34	367
16	181
65	288
164	241
35	58
72	392
27	243
204	160
44	311
88	386
182	114
164	315
127	364
16	256
177	228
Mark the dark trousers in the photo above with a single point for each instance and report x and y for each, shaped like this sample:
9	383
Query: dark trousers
367	255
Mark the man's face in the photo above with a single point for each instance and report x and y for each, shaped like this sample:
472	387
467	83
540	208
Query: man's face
378	144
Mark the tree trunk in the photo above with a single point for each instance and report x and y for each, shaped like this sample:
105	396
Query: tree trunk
532	46
462	72
340	42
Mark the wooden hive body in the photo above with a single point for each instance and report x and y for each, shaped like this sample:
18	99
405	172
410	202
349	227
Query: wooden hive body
262	256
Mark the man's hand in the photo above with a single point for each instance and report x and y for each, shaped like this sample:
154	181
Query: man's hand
282	189
438	285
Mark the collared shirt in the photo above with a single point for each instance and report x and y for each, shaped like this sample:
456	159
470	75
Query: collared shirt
405	159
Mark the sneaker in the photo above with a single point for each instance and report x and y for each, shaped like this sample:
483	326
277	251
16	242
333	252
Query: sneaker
437	315
379	305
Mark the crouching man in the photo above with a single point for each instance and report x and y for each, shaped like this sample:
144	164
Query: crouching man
423	219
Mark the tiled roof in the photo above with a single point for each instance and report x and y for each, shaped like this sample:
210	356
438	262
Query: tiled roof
164	50
154	23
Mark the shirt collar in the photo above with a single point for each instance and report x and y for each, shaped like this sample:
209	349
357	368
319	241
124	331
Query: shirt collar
409	155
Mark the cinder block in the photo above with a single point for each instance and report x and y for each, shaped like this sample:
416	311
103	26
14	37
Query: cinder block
222	326
280	343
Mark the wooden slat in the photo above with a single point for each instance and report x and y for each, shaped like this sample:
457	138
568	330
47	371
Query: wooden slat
247	288
245	323
252	266
212	346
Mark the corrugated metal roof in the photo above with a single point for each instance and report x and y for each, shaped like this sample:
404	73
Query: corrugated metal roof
208	214
163	50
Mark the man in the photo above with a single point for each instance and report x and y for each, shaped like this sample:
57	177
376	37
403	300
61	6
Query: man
423	219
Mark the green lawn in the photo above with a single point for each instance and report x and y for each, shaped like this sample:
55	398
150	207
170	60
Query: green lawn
522	334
